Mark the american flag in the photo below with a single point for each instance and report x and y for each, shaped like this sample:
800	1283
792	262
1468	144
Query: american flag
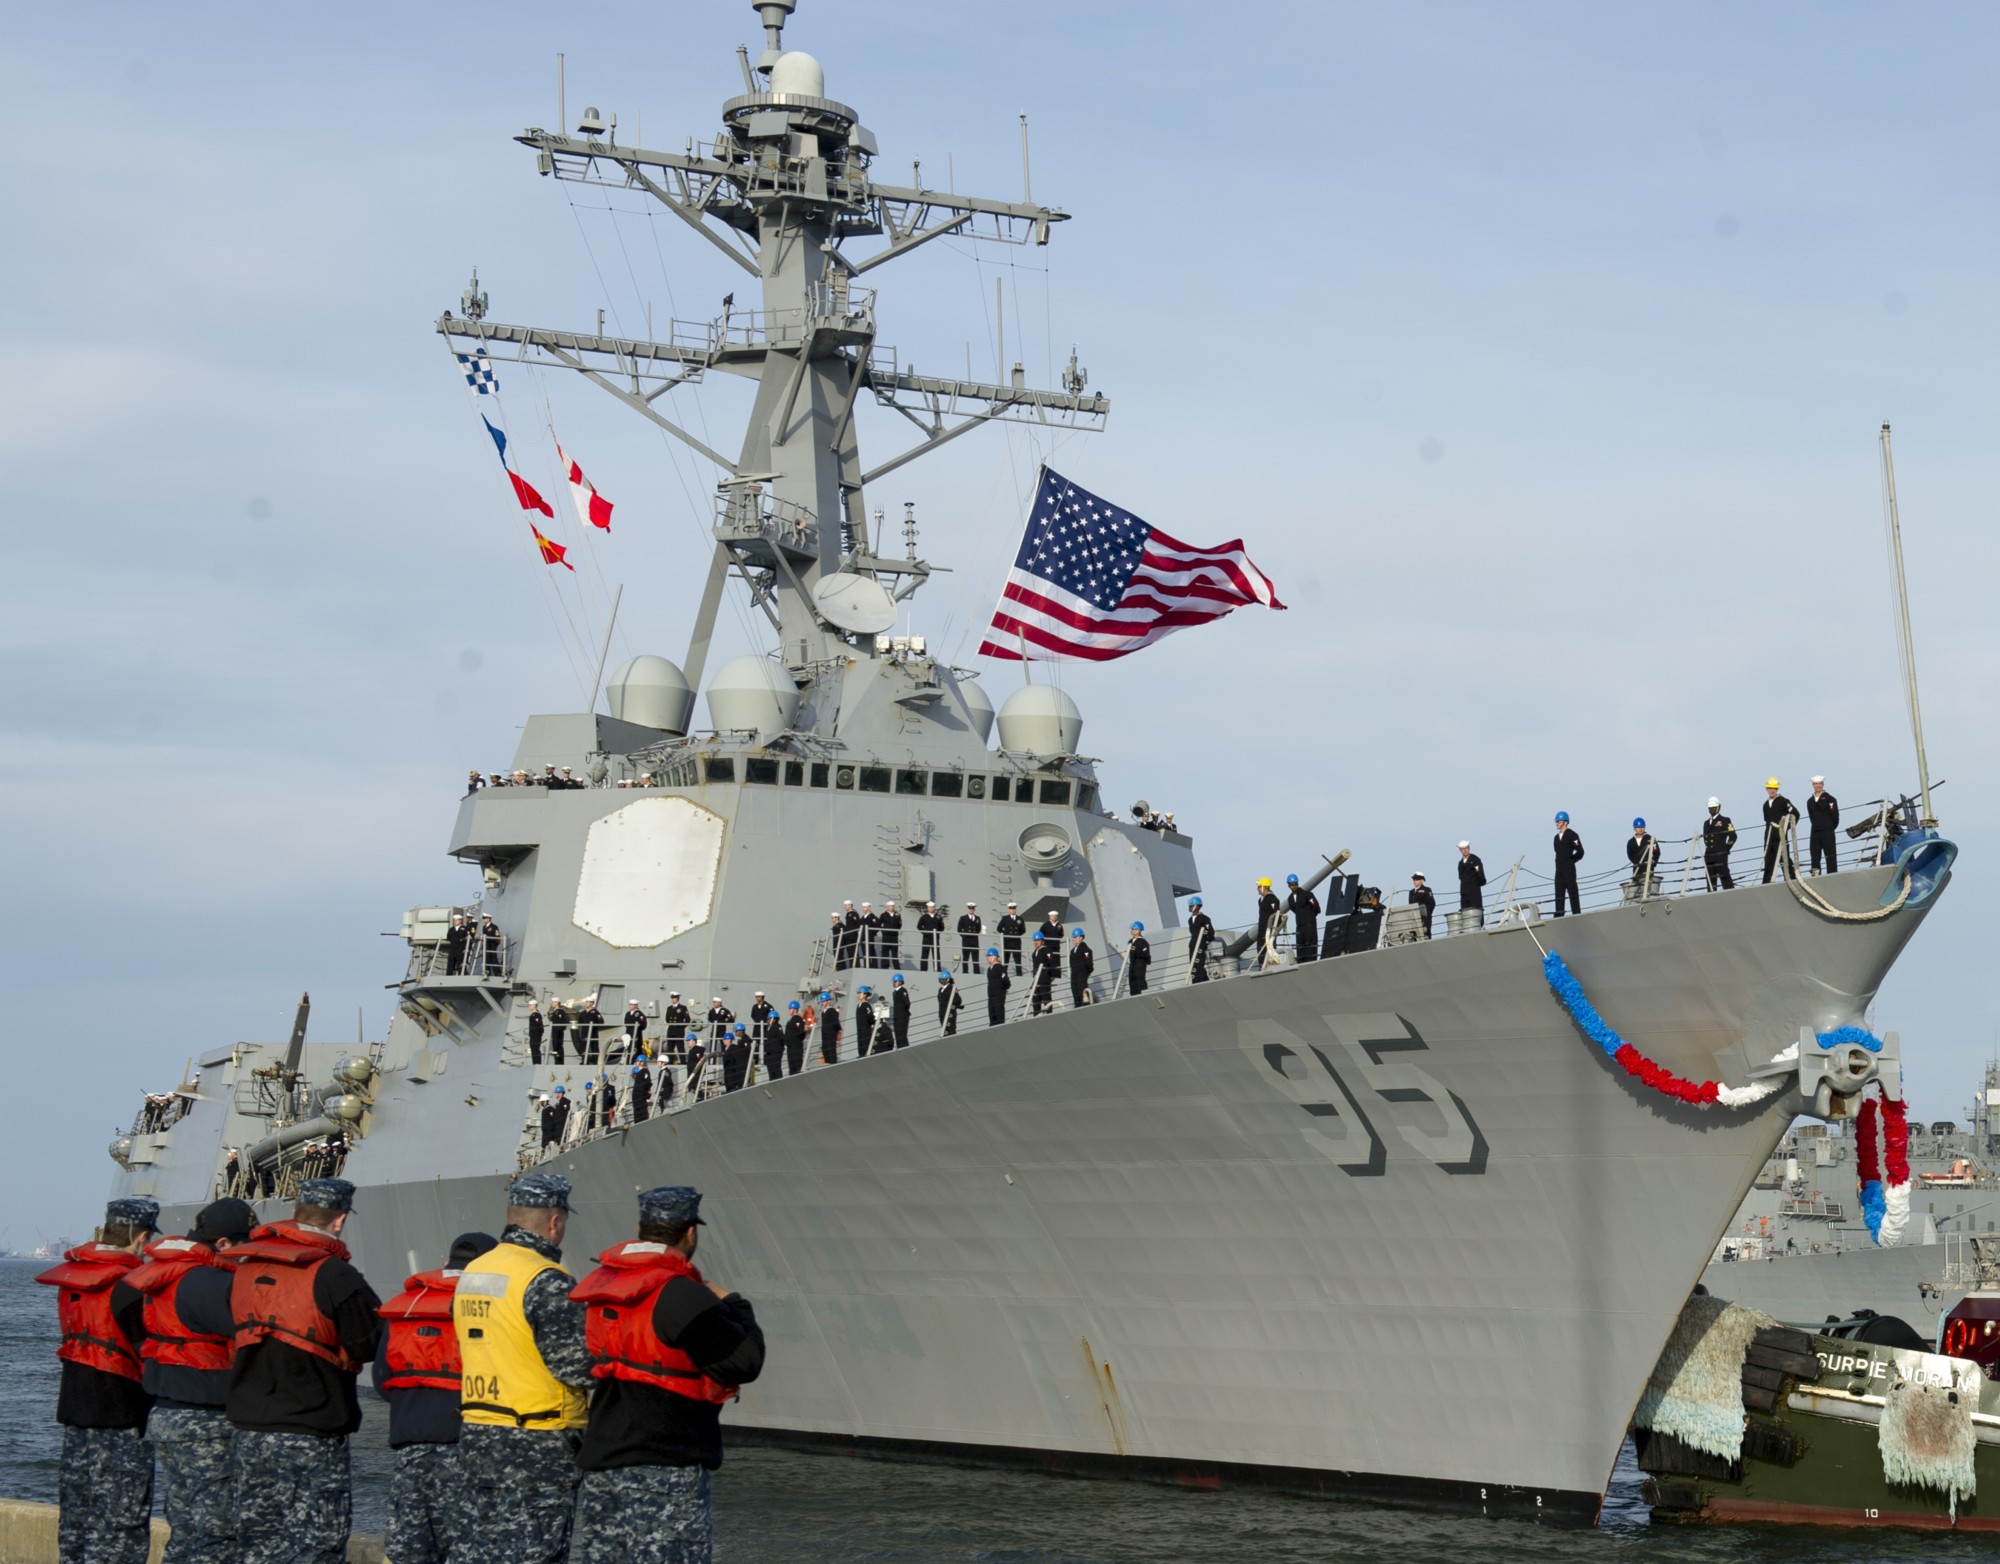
1096	582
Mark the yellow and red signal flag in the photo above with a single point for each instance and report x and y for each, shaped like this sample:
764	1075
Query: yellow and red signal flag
552	551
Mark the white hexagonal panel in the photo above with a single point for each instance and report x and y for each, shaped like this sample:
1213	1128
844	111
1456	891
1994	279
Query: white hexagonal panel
649	872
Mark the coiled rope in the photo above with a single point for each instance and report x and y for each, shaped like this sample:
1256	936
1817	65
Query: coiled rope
1812	901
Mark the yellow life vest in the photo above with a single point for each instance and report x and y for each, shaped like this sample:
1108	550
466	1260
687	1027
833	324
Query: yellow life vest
504	1380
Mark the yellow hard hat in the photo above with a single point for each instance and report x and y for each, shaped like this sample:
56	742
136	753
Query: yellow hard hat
1266	880
1773	782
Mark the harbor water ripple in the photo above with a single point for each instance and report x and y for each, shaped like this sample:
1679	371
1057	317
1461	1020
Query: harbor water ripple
781	1507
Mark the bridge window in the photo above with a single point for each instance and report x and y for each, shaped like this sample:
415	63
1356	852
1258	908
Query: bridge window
1000	789
761	768
795	774
948	784
1055	790
910	782
874	779
719	768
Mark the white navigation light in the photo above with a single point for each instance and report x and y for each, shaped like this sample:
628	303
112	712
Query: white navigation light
752	693
797	72
652	692
1038	719
978	706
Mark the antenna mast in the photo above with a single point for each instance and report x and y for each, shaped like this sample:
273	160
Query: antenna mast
1904	643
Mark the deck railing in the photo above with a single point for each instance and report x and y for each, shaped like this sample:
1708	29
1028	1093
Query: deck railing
1515	893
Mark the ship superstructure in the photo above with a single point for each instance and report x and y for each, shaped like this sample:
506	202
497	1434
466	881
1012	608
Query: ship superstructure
1383	1224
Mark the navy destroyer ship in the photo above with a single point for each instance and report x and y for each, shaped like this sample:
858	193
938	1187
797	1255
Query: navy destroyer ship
1390	1223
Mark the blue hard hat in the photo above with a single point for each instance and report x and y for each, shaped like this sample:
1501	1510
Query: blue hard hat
638	1069
1639	824
1076	933
992	950
944	977
864	989
560	1092
1138	925
1563	816
1194	901
1291	879
794	1005
741	1027
826	996
897	978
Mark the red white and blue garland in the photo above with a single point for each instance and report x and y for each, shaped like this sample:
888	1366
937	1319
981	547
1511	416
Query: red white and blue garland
1569	993
1881	1128
1882	1167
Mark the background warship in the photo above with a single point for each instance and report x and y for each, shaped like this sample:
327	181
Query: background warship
1384	1225
1800	1250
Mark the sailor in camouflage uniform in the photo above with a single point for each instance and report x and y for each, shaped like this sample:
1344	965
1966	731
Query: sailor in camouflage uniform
668	1348
187	1354
104	1489
417	1372
306	1322
524	1373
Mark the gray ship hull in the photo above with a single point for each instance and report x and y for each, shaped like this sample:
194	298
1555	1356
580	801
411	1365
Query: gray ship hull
1803	1290
1383	1225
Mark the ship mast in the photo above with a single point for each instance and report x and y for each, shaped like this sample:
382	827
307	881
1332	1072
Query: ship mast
1904	642
781	191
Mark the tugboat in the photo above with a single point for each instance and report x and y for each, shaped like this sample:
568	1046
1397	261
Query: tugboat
1863	1423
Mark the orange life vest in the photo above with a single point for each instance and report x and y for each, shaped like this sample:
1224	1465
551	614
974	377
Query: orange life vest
272	1295
618	1299
422	1349
168	1341
90	1335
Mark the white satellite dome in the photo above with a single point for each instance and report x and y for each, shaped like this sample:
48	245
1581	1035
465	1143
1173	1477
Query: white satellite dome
1038	719
978	706
752	692
795	71
652	692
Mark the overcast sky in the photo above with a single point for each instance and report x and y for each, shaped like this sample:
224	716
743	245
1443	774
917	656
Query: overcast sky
1537	351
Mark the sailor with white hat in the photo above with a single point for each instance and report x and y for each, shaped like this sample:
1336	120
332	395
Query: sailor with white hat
1823	811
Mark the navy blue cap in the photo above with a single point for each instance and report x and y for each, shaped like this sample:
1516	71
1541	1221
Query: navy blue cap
468	1247
540	1191
132	1211
671	1203
329	1194
226	1218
